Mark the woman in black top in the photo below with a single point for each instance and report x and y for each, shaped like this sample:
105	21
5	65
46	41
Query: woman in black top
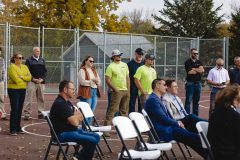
224	125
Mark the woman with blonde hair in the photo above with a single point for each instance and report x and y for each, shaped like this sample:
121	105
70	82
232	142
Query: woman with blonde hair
18	76
224	124
89	82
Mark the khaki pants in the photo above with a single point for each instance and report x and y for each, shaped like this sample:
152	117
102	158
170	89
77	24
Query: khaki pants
32	89
143	98
2	110
119	102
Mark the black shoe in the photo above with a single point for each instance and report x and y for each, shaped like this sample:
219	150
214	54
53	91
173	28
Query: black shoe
40	116
20	131
13	133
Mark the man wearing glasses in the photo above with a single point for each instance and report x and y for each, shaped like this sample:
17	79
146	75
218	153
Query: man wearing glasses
37	68
218	78
194	70
144	77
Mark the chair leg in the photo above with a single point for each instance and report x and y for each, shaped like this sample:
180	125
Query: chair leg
174	155
58	154
189	153
48	149
100	150
104	138
66	150
98	153
180	147
165	155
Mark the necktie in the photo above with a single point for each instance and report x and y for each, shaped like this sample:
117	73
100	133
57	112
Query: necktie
181	108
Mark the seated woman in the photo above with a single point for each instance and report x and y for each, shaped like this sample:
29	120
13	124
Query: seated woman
224	125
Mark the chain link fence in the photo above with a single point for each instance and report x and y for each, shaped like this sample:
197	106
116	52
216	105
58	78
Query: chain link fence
64	50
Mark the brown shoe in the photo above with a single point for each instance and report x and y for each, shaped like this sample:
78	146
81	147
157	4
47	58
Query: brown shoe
106	134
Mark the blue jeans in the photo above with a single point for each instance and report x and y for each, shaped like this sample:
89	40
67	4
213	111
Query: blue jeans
16	97
88	140
193	92
132	101
91	101
212	98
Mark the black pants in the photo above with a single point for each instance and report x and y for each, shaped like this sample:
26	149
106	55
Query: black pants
16	97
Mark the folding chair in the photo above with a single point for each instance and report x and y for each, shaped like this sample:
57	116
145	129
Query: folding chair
202	128
88	113
157	138
55	141
142	126
125	131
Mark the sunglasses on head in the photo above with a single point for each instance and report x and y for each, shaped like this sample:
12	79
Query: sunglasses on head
19	57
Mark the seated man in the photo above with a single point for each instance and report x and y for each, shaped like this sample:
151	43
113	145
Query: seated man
176	109
66	118
167	128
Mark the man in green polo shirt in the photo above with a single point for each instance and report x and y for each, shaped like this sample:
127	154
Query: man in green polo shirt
143	78
117	79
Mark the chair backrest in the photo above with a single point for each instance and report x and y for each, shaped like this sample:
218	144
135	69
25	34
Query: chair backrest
202	128
125	127
85	109
140	121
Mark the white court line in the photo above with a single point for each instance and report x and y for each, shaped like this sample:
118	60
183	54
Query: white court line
42	135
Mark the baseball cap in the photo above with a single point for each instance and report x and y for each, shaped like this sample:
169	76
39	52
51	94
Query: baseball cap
149	56
139	51
116	52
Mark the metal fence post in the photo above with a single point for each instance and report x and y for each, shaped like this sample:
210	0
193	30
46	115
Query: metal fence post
77	53
43	42
227	51
155	49
104	61
176	61
131	46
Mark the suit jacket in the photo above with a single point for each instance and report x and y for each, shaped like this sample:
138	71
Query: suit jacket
172	104
161	119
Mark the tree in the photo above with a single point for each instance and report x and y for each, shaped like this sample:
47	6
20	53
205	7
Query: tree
235	32
68	13
139	23
6	7
188	18
223	30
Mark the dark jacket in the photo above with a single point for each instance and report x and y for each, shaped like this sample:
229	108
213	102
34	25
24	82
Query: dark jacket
224	133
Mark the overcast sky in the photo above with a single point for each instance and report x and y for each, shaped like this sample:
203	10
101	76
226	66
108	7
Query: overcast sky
156	5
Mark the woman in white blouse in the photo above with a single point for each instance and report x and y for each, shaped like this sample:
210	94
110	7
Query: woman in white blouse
89	81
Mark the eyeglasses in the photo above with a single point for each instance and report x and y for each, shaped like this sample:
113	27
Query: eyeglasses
195	53
19	57
91	61
220	65
162	84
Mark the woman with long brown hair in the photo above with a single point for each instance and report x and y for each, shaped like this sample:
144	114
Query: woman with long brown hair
89	82
224	124
18	76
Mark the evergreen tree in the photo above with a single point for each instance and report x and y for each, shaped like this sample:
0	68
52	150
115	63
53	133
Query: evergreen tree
188	18
235	35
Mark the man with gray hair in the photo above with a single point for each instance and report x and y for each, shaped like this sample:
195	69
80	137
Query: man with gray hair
2	79
218	79
37	68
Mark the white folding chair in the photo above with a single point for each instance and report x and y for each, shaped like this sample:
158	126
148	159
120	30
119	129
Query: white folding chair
142	126
88	113
125	131
202	128
157	138
55	141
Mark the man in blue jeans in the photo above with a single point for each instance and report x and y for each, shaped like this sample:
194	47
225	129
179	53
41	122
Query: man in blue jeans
133	65
194	70
66	119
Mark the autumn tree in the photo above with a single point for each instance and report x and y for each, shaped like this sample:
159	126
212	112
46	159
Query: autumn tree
188	18
70	14
6	8
140	23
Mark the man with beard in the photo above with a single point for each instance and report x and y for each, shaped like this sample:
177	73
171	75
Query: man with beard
194	70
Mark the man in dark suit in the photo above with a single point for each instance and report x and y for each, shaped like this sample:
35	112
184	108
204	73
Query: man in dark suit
167	128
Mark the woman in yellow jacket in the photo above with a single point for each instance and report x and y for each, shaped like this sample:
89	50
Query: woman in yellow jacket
18	76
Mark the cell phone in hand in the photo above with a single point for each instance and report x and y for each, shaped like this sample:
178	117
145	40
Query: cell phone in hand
223	83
